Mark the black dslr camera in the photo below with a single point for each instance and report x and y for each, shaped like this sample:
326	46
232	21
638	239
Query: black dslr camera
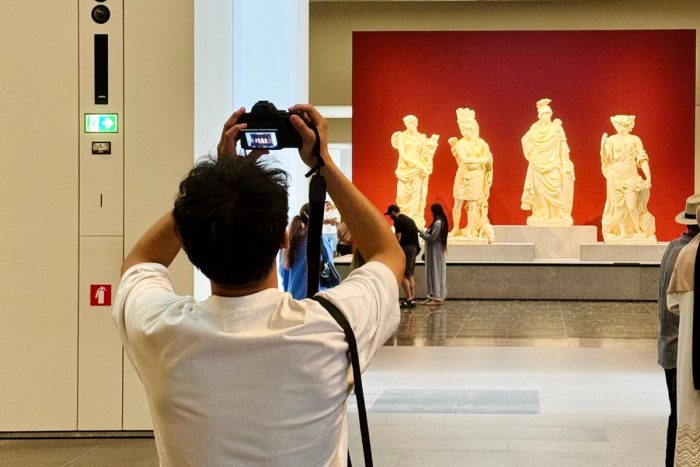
269	128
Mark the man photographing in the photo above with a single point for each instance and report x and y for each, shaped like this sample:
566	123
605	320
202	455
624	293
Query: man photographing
250	375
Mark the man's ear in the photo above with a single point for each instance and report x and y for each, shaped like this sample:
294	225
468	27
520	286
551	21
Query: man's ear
285	241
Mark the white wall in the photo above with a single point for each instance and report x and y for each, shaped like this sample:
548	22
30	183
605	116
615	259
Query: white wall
247	51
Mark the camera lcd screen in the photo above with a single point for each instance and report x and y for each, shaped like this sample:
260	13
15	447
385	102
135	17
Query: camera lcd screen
260	139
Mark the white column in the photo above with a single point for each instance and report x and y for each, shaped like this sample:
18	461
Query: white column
246	51
213	82
213	59
271	62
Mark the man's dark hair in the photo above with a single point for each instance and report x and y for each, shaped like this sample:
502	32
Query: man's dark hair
231	214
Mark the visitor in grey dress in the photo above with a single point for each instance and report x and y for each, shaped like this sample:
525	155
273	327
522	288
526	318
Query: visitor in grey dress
435	249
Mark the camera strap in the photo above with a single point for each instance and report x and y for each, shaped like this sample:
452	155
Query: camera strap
316	151
317	202
356	376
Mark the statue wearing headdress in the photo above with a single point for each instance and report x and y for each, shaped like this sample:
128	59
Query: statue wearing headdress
549	183
473	179
625	217
416	152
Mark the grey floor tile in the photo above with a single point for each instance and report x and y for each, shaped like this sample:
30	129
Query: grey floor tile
120	452
498	402
49	452
592	322
559	433
455	458
416	401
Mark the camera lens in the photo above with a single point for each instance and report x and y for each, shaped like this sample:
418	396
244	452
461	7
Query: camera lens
100	14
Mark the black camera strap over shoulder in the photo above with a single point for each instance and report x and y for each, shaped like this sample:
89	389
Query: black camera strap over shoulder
316	169
317	201
356	375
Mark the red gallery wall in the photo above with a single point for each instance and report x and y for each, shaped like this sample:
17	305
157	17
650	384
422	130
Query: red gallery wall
589	75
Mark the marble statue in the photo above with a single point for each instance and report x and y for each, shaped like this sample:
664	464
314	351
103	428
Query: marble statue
473	180
416	152
549	183
625	217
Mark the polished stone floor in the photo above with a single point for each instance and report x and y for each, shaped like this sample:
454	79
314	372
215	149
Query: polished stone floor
528	322
482	383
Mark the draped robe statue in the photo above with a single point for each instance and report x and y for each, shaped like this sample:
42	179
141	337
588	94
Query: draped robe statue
473	180
625	216
416	152
549	183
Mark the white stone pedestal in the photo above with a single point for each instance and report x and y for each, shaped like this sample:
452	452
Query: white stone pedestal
550	242
600	251
460	240
498	252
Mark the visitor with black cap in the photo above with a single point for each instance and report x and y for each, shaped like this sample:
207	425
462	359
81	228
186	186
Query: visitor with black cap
406	233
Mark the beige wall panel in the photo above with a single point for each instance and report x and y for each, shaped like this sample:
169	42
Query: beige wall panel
101	190
339	130
39	215
158	131
100	350
101	176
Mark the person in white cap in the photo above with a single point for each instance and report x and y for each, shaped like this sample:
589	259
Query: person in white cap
668	322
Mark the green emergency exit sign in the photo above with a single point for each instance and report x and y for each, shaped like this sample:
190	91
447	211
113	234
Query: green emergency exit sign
101	123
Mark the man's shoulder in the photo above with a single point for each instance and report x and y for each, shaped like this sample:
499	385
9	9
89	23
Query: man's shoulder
407	221
370	271
679	242
674	247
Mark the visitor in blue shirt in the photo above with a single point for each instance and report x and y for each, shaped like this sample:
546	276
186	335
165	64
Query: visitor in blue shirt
293	266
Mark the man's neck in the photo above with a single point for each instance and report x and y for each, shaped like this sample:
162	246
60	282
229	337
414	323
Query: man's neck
224	290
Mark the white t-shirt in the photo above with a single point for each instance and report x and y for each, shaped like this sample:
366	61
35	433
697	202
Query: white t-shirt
330	229
254	380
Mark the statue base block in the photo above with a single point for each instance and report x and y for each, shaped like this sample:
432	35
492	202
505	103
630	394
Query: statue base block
639	253
466	241
550	242
532	222
631	241
494	252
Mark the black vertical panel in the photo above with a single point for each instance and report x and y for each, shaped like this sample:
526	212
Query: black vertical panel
101	69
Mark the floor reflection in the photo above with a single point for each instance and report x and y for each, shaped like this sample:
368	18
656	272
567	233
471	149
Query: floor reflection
529	323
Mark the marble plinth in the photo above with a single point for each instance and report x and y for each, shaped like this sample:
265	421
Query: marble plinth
630	241
550	242
493	252
460	240
534	222
544	281
622	253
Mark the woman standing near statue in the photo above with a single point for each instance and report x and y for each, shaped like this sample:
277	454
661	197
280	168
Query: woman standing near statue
625	217
549	183
473	179
435	261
